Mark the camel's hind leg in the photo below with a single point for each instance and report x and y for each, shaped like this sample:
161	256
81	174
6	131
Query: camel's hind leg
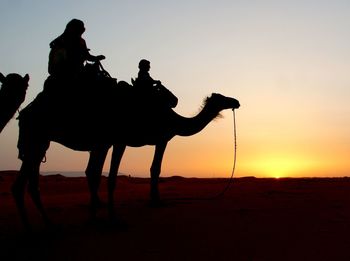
29	174
18	190
155	173
93	174
118	151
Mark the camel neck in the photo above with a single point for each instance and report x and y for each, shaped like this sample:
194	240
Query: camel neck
191	126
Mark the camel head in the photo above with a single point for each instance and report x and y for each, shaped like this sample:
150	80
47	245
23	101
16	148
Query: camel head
218	102
14	80
12	94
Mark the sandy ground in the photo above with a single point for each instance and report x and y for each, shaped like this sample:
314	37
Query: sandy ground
257	219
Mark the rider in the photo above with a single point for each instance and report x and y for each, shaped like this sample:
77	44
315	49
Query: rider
69	52
150	89
143	77
66	67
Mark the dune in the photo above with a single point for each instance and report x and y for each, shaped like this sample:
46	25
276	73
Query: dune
256	219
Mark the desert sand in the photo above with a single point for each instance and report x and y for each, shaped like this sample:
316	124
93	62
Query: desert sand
256	219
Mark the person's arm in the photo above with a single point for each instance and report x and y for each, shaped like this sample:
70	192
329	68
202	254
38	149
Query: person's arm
90	57
157	82
93	58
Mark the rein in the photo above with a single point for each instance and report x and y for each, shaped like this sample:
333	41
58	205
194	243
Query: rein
223	191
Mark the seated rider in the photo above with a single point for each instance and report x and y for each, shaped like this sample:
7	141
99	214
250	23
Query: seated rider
151	89
144	78
69	53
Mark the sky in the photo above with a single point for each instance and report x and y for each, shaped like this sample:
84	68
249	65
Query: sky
287	62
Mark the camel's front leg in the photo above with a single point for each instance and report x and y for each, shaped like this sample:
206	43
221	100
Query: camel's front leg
117	154
155	172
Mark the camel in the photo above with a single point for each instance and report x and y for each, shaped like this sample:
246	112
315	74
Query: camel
118	117
12	95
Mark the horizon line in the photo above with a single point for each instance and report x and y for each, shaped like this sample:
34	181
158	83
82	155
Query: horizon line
77	174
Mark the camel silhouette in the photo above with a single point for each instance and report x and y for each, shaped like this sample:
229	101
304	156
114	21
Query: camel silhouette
12	95
118	116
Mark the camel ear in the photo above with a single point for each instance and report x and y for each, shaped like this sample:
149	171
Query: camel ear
2	78
26	77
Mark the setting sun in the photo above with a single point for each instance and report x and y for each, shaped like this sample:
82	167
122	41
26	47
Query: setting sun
280	166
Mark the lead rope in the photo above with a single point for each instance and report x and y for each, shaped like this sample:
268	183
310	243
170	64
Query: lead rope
221	193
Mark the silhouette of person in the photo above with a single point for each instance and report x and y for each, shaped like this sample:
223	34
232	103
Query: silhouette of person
143	78
69	52
152	89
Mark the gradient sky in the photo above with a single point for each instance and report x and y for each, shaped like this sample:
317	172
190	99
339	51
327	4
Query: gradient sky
288	62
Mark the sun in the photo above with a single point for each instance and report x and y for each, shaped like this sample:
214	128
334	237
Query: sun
279	166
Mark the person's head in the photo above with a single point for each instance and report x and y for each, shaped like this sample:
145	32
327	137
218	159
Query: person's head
144	65
74	27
